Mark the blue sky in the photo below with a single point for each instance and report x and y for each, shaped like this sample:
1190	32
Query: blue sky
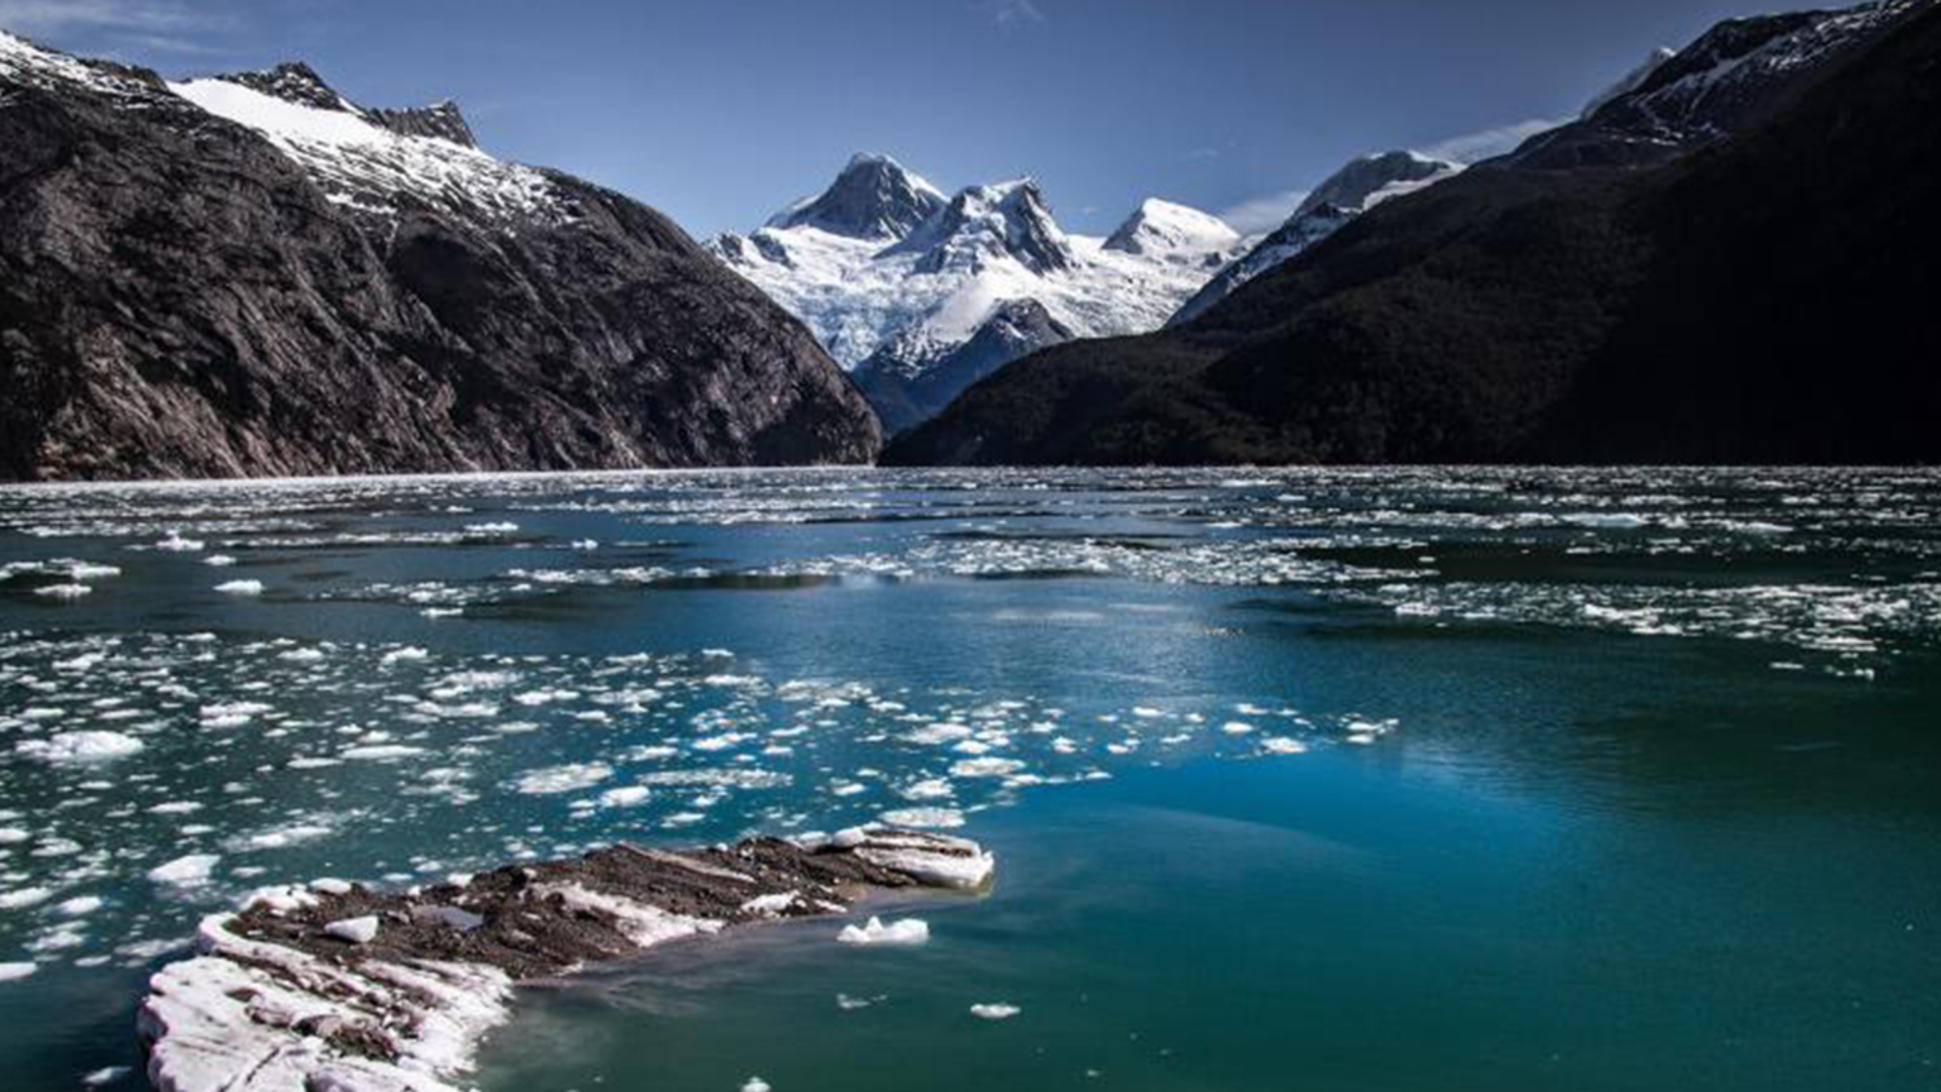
720	111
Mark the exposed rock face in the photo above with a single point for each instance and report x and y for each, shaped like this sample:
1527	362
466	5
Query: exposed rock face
253	276
339	987
1764	295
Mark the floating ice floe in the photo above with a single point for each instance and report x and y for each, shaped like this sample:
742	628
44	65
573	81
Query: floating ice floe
994	1010
925	818
570	777
10	972
81	747
190	870
902	932
63	591
240	587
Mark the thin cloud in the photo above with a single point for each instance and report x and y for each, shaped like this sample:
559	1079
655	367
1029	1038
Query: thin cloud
1261	214
1480	145
157	25
1011	14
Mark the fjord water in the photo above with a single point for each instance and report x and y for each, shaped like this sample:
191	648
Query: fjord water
1299	779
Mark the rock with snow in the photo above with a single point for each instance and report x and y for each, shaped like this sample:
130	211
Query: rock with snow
360	930
276	999
1727	81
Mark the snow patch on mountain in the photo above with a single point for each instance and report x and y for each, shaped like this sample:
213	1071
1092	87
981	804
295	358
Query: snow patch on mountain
373	161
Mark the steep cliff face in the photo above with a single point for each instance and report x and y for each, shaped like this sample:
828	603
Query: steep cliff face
254	276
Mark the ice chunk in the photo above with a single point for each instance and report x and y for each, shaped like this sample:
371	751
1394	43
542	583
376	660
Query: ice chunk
240	587
994	1010
903	932
11	971
931	818
558	779
191	870
75	748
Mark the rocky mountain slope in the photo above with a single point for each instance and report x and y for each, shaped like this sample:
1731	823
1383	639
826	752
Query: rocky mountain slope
1362	184
1731	262
923	294
252	275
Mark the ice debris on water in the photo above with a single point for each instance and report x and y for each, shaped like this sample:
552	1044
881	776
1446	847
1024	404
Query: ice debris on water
903	932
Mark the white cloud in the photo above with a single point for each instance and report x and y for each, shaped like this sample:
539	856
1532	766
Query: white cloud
1471	147
153	24
1264	213
1014	13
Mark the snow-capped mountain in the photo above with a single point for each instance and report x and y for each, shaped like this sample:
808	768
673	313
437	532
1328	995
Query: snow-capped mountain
873	198
1357	187
253	275
923	307
1728	80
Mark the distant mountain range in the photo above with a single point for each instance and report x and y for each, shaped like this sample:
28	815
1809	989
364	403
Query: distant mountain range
1729	258
923	294
252	275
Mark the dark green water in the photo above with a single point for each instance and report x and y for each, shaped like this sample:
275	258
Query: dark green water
1606	780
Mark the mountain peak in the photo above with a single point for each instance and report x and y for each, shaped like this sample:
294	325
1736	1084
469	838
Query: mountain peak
873	197
1159	226
1008	218
441	120
1631	80
293	81
297	83
1363	180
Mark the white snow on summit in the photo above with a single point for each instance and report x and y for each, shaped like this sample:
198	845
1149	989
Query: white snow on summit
985	246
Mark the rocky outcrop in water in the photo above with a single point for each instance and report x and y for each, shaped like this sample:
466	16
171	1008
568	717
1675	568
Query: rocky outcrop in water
336	987
252	275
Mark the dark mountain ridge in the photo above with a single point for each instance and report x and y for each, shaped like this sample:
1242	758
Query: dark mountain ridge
186	294
1762	295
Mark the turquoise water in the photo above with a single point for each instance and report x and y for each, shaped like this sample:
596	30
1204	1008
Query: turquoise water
1356	780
